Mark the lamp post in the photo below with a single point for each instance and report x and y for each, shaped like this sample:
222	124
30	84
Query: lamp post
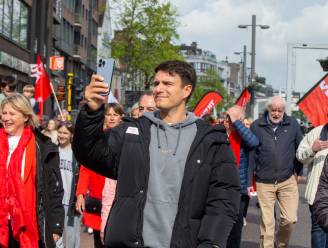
291	67
253	25
244	69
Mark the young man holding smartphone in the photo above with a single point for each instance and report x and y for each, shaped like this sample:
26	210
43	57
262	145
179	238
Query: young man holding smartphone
178	185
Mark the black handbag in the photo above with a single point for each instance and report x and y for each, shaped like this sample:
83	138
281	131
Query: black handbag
92	205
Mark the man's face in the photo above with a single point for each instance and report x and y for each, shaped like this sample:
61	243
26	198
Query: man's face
276	112
7	92
146	104
227	122
135	113
169	91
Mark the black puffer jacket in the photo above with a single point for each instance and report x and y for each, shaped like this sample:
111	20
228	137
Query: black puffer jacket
50	211
210	191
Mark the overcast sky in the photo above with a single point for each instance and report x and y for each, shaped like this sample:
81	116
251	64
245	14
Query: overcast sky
213	25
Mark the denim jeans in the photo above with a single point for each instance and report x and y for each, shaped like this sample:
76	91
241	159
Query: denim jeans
72	230
319	238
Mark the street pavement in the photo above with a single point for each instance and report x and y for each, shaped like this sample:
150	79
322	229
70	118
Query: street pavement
301	237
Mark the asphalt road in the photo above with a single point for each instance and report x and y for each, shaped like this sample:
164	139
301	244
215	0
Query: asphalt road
301	236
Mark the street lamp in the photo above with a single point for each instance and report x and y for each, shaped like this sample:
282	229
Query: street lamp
253	25
244	75
291	67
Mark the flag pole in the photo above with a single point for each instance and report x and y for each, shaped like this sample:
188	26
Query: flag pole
53	92
56	100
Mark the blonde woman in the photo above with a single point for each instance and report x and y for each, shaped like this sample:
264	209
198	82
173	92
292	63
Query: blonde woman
31	192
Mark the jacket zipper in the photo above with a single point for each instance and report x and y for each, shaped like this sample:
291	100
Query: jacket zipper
142	193
275	148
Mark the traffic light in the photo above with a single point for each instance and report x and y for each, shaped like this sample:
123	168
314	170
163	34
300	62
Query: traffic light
61	92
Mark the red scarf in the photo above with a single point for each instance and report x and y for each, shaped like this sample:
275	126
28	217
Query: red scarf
235	141
13	194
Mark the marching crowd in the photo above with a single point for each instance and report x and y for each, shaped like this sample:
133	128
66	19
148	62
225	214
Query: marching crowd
158	176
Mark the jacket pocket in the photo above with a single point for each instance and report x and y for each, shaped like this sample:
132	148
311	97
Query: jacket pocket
122	224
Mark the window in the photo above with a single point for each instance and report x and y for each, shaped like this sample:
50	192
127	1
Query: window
7	14
1	14
95	4
14	20
85	43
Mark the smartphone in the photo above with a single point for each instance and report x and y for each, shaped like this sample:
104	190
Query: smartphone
105	68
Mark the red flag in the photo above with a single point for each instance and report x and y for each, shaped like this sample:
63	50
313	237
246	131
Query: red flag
207	103
42	85
244	98
314	104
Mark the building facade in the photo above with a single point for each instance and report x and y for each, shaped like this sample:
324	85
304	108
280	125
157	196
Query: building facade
200	59
25	30
67	28
75	38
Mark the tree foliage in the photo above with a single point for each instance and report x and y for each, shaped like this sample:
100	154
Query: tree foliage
148	30
210	82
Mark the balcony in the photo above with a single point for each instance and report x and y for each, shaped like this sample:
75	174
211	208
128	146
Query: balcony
77	52
78	21
62	45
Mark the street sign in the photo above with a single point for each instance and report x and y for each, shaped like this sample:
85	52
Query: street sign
57	63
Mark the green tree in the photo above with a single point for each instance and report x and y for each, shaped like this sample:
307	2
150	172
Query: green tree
148	30
300	115
210	82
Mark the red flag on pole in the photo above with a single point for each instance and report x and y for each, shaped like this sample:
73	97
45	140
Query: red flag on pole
207	103
314	104
42	85
244	98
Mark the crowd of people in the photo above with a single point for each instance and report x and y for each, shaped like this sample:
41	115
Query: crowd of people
157	176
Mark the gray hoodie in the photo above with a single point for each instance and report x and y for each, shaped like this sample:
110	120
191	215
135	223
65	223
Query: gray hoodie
168	151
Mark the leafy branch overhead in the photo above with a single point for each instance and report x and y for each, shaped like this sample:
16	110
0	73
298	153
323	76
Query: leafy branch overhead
146	36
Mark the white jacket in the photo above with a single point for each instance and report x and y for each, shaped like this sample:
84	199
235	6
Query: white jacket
314	161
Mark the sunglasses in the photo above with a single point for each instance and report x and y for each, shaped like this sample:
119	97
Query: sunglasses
66	123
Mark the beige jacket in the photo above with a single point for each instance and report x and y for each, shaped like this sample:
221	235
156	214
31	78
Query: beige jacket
314	161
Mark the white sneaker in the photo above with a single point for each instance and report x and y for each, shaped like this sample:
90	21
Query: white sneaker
90	230
244	221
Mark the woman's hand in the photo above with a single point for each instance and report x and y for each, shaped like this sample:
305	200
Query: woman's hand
80	204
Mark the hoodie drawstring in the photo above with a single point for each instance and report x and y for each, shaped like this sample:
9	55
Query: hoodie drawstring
177	145
158	140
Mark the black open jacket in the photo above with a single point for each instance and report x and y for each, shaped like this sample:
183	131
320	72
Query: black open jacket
49	187
210	191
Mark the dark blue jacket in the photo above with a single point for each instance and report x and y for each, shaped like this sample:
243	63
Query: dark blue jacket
249	141
274	159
